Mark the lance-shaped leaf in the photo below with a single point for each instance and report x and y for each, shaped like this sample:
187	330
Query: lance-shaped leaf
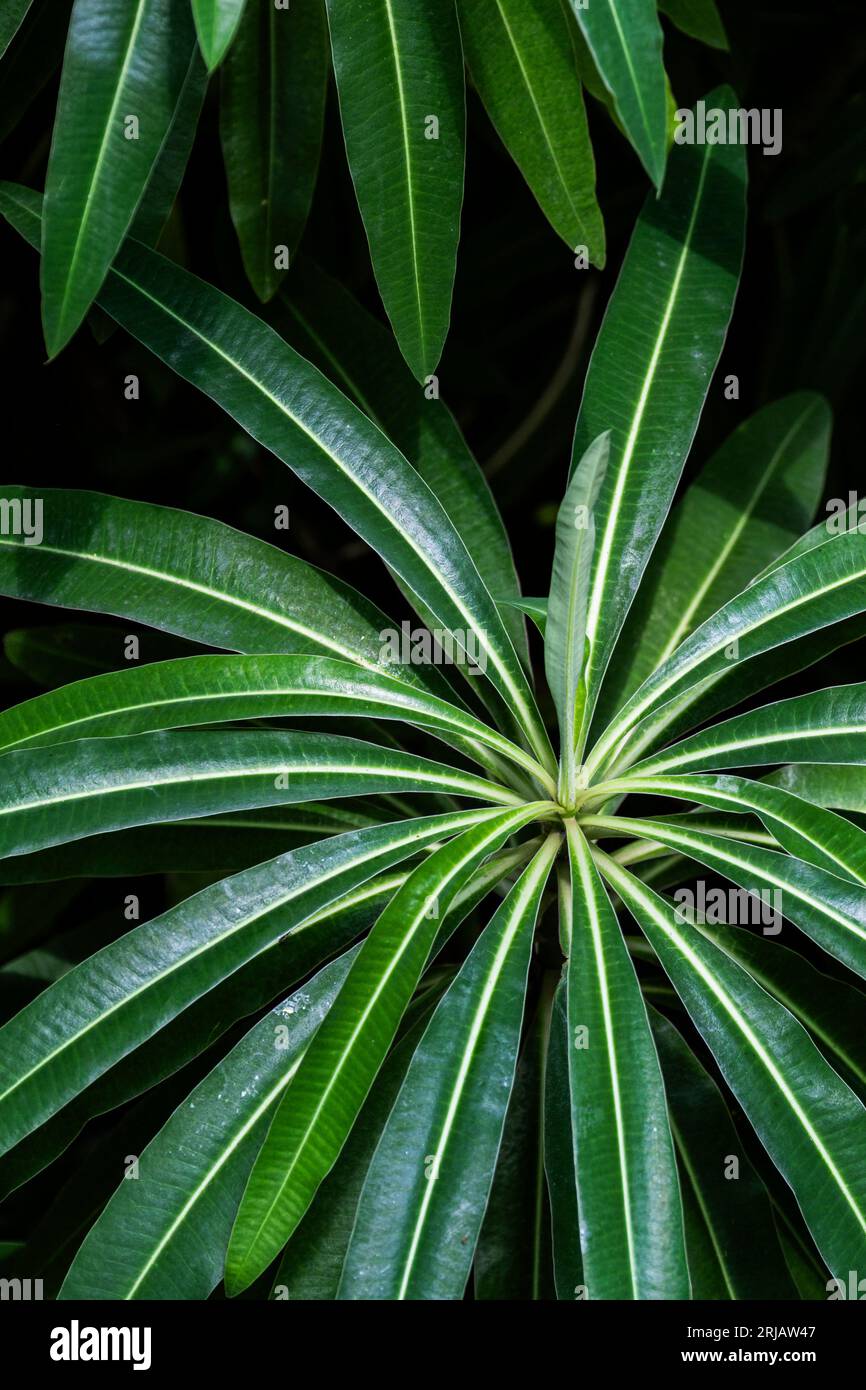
630	1212
757	493
326	323
123	74
821	726
399	69
216	23
731	1199
821	587
212	689
807	831
841	787
313	1259
559	1158
700	19
651	368
320	1107
829	909
165	1235
272	107
513	1259
811	1124
626	45
565	644
98	1013
52	795
522	63
535	608
167	174
831	1009
424	1198
286	404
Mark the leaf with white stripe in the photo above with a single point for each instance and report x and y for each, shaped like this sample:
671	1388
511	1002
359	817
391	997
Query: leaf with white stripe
820	726
102	1010
290	408
810	1122
732	1201
630	1211
822	587
322	1103
399	67
565	645
522	64
123	63
424	1198
831	910
651	369
756	495
165	1235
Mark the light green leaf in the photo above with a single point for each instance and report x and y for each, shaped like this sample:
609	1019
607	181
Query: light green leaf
626	44
123	75
630	1212
399	69
651	369
320	1107
272	107
216	23
841	787
425	1194
522	64
565	645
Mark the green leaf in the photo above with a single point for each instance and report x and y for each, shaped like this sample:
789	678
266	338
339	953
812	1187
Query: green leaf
320	1107
424	1198
841	787
807	831
513	1258
216	23
61	652
700	19
812	1125
272	107
824	725
123	75
535	608
165	1235
522	64
831	1009
816	589
102	1010
831	910
756	495
165	180
651	369
55	794
328	325
628	1193
211	689
731	1198
626	44
565	628
559	1158
399	65
12	17
291	409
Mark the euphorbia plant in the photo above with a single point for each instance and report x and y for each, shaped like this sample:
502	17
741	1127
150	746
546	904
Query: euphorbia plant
487	1043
